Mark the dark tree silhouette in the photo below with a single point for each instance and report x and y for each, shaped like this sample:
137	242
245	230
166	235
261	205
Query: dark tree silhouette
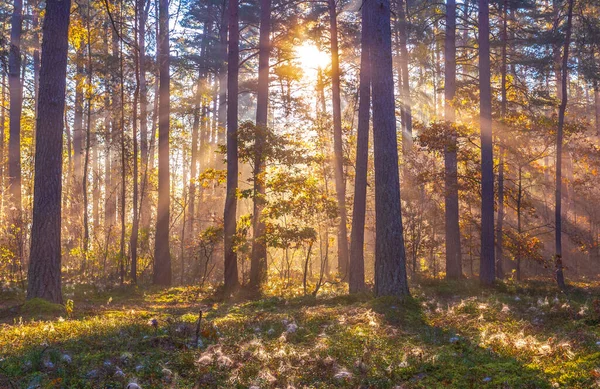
487	264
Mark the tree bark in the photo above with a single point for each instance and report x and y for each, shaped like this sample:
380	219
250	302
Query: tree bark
162	255
487	262
15	86
258	270
560	278
356	279
338	151
230	217
405	99
503	102
390	256
453	249
44	279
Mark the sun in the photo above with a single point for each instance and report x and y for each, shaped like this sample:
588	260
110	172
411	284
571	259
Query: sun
311	59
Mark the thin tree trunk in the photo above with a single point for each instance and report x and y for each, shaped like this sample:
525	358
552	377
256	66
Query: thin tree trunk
560	279
258	270
487	262
15	86
405	99
88	144
338	150
222	74
390	256
356	279
500	221
230	217
44	279
162	255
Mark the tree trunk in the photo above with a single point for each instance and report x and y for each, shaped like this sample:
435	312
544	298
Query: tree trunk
14	145
390	256
44	279
357	238
222	74
453	249
560	279
487	262
503	102
144	210
162	255
338	151
405	100
258	270
230	217
88	144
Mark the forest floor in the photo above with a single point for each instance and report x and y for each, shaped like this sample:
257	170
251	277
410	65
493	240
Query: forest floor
453	335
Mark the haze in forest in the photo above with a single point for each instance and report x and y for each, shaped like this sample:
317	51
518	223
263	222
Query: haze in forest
240	150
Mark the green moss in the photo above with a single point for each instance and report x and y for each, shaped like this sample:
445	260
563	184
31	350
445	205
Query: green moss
38	307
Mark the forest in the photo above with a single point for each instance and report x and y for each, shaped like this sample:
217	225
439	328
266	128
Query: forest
299	194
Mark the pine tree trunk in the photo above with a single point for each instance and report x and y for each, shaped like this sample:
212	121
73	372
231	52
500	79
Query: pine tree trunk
560	278
44	279
356	279
230	217
503	102
453	249
405	99
14	144
258	270
390	256
162	255
487	262
338	151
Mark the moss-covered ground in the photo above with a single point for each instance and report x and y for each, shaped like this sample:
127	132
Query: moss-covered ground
448	335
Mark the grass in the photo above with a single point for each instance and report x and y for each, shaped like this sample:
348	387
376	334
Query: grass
453	335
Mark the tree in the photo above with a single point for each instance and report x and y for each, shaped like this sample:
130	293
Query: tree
230	264
560	278
453	249
356	278
14	144
258	271
338	152
44	279
487	264
390	256
162	254
403	77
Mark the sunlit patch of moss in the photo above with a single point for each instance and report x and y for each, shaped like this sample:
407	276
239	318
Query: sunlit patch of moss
40	308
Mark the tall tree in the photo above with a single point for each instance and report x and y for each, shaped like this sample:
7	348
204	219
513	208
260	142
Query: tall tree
560	278
162	254
453	251
404	78
258	271
14	144
230	217
356	279
44	279
503	103
487	263
390	256
338	150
